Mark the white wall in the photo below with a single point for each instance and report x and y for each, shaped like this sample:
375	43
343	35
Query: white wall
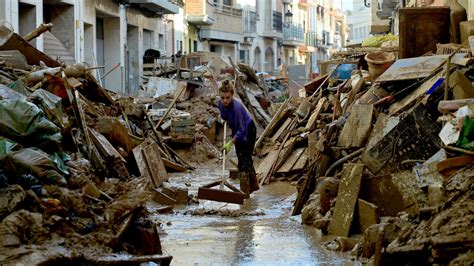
113	81
75	26
359	22
133	58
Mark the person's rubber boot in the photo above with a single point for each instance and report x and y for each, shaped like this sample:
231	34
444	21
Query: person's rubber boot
244	184
253	181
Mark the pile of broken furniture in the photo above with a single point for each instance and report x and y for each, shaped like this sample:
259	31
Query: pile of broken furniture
388	157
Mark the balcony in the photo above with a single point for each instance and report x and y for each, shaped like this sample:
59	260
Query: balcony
293	34
250	23
273	24
218	22
311	39
159	6
308	2
197	13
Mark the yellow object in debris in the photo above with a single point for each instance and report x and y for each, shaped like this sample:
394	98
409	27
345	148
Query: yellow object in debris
377	41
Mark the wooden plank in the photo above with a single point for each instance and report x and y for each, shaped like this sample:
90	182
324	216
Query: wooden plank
156	167
73	82
290	162
301	163
266	164
275	119
162	198
347	196
104	146
284	154
155	163
216	194
95	91
356	130
280	131
177	167
356	86
368	214
312	85
314	116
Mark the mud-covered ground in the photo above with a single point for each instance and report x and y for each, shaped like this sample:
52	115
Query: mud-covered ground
261	231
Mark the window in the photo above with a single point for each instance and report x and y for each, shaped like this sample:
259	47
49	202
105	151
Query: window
242	56
195	44
227	2
161	41
216	48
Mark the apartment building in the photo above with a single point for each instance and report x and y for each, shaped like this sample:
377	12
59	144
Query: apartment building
101	33
313	30
263	34
358	21
216	25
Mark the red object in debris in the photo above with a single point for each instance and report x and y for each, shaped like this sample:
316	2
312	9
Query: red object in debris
50	202
313	75
56	86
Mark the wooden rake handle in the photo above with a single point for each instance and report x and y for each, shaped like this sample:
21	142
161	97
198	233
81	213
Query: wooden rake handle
223	157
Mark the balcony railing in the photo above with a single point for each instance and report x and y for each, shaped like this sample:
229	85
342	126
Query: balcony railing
273	21
250	22
311	39
227	10
293	32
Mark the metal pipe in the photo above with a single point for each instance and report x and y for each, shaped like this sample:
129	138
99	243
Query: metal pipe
343	159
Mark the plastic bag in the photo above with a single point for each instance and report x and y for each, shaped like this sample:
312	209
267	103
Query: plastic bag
51	105
26	124
33	161
466	137
7	146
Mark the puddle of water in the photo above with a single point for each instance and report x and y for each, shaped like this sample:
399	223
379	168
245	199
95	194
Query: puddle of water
274	238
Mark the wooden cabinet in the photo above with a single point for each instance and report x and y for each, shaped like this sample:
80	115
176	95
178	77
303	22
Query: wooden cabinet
421	28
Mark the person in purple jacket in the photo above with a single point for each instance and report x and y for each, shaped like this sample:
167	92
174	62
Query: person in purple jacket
244	134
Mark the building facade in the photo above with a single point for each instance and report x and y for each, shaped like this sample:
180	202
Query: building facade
263	33
325	31
113	34
216	25
358	22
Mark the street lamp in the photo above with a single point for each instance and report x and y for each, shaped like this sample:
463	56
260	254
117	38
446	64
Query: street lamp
288	17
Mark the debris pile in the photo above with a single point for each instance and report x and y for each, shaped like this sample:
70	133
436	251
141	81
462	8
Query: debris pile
386	152
79	162
70	156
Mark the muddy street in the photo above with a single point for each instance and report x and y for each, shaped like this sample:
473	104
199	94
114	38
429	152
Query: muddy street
354	140
261	231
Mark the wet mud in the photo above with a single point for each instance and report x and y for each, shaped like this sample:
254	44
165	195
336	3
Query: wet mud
272	237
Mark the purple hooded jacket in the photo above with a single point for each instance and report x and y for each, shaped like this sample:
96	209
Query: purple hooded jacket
238	118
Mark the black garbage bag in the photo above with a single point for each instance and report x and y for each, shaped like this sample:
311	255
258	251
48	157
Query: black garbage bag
26	124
